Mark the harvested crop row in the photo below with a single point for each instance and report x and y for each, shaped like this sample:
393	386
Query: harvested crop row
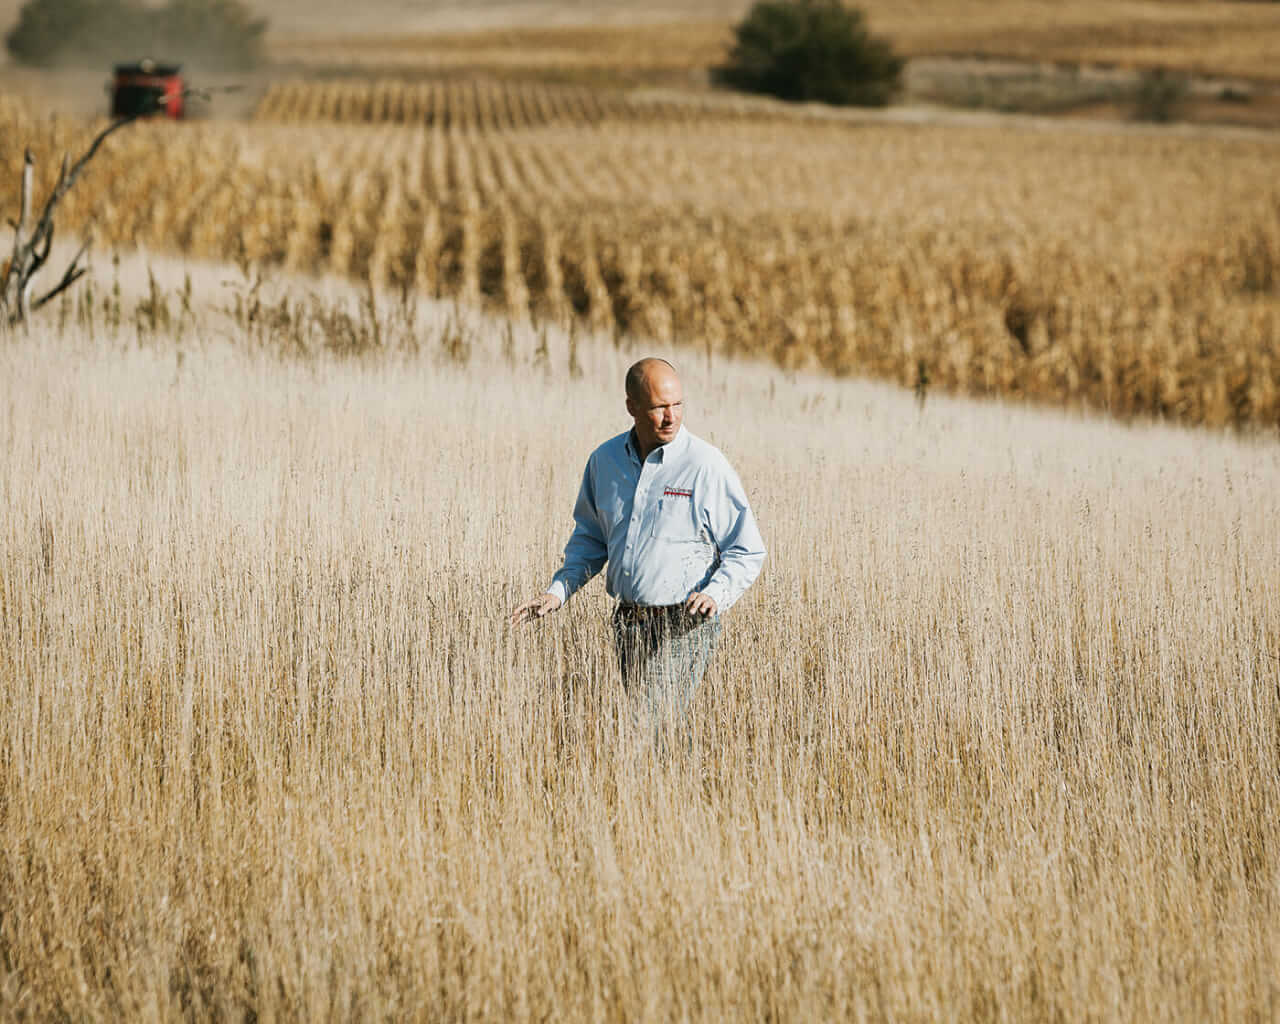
482	104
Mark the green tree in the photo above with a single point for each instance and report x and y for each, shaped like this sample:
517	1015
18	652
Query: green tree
1160	95
811	50
49	31
213	33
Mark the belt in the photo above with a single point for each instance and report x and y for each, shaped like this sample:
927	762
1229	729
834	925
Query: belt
649	612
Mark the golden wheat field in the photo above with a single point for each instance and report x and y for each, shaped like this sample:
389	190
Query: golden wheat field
1127	270
996	736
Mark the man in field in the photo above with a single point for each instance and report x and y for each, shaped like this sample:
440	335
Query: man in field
668	514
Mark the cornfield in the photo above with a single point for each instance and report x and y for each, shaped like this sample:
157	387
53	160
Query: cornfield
995	736
1131	271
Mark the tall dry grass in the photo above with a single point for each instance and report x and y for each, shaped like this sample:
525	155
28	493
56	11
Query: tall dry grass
995	736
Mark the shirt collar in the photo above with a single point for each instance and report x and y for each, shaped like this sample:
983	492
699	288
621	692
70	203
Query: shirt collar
678	443
675	446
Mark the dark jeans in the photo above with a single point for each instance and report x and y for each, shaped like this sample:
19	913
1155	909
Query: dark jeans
663	654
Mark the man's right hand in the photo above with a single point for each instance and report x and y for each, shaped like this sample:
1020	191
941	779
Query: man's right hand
541	605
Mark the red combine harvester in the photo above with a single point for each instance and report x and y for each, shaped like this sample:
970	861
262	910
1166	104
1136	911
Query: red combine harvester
147	88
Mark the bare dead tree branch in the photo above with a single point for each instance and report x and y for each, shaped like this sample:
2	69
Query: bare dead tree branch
31	250
72	274
13	269
24	208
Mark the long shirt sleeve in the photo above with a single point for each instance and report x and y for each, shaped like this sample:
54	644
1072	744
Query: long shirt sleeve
737	538
587	550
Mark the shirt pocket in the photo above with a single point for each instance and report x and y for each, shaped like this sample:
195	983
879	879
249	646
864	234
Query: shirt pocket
677	520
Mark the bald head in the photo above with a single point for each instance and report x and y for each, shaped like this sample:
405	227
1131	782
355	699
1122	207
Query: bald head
639	375
655	400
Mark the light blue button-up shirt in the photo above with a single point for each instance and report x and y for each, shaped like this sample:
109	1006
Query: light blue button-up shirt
670	526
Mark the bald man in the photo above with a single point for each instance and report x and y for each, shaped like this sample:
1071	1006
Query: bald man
666	512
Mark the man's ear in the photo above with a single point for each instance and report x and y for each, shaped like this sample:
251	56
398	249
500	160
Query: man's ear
631	408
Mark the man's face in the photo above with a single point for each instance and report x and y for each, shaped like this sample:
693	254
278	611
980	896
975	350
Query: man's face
659	409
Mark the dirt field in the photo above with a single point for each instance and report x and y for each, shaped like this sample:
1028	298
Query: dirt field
1204	37
1013	55
393	17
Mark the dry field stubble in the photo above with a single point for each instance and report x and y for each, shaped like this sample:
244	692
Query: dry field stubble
1202	36
1133	271
996	735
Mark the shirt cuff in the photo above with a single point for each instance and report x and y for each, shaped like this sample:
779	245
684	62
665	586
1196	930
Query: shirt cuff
558	589
717	593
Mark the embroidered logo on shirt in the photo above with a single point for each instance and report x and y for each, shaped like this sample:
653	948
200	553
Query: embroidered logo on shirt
675	492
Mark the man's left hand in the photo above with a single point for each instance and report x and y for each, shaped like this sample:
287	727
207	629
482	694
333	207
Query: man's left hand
701	605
